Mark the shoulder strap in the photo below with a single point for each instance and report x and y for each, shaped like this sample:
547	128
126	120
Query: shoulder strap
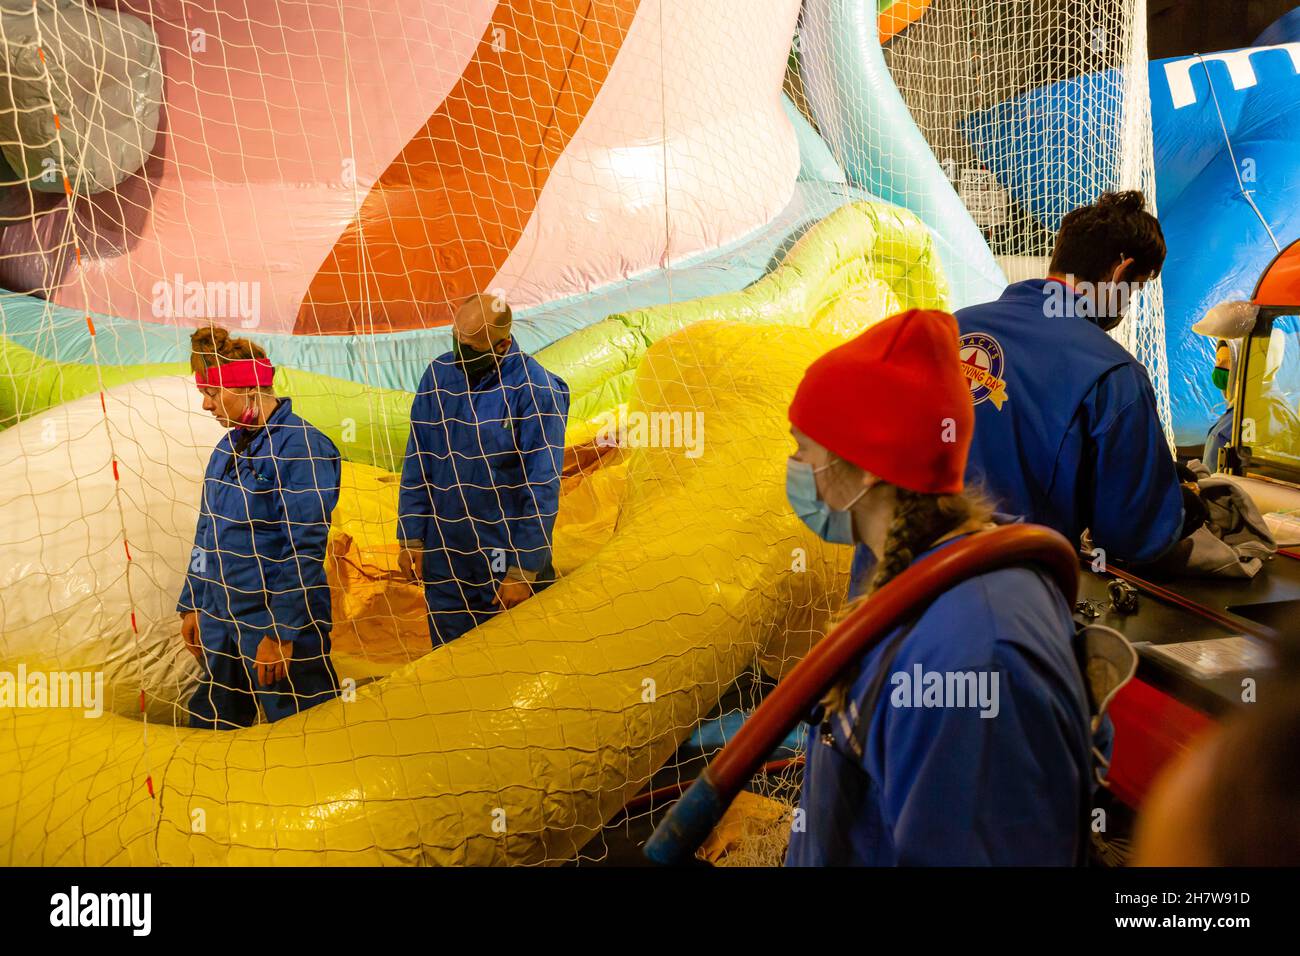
862	726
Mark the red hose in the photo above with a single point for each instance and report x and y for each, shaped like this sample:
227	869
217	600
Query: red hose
674	790
866	626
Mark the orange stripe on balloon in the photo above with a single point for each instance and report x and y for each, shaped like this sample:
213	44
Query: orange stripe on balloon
1279	286
443	217
899	16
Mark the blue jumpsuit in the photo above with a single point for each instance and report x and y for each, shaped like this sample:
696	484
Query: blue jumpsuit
481	483
1217	437
943	785
257	569
1066	429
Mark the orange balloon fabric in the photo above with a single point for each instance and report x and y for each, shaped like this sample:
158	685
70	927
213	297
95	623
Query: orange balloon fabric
443	217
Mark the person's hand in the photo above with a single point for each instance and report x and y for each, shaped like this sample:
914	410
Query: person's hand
1195	513
273	659
513	591
410	560
1187	478
190	634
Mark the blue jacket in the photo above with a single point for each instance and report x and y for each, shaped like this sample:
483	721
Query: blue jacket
481	477
264	519
1066	429
1217	437
942	785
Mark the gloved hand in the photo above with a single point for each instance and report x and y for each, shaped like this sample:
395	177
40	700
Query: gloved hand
1195	514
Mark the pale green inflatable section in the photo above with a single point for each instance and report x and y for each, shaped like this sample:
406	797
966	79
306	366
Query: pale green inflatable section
865	256
368	424
863	262
871	132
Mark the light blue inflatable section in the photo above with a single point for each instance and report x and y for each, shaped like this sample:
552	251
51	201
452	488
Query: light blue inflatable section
398	359
816	161
869	128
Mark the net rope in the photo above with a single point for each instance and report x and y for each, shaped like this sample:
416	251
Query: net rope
310	174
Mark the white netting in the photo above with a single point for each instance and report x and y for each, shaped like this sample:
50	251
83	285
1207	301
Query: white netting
330	178
964	58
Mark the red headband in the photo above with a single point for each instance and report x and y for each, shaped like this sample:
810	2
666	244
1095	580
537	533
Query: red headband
242	373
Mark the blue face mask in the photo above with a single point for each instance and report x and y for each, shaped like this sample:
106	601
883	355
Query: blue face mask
824	521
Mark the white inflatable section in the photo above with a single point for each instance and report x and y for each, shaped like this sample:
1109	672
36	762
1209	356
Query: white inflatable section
67	590
694	98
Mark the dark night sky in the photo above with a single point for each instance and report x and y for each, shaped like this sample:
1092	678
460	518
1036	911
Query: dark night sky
1180	27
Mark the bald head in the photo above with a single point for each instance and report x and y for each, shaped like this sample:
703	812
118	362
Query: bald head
483	321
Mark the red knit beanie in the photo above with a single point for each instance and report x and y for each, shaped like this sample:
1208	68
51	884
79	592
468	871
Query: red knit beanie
893	401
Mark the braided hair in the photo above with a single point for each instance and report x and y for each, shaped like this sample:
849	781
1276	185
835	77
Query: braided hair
919	521
212	346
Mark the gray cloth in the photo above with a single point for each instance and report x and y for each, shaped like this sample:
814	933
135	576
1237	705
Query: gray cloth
1235	542
82	96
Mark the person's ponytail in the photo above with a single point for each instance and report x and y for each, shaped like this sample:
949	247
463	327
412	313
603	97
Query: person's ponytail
919	521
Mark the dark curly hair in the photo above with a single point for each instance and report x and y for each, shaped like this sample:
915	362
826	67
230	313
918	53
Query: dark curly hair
213	345
1094	238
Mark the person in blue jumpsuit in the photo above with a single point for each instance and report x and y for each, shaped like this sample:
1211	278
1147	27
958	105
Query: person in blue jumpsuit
255	605
1067	432
895	774
481	477
1274	423
1220	432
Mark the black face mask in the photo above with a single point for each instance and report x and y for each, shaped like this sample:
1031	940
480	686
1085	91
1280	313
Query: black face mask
1109	323
474	363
